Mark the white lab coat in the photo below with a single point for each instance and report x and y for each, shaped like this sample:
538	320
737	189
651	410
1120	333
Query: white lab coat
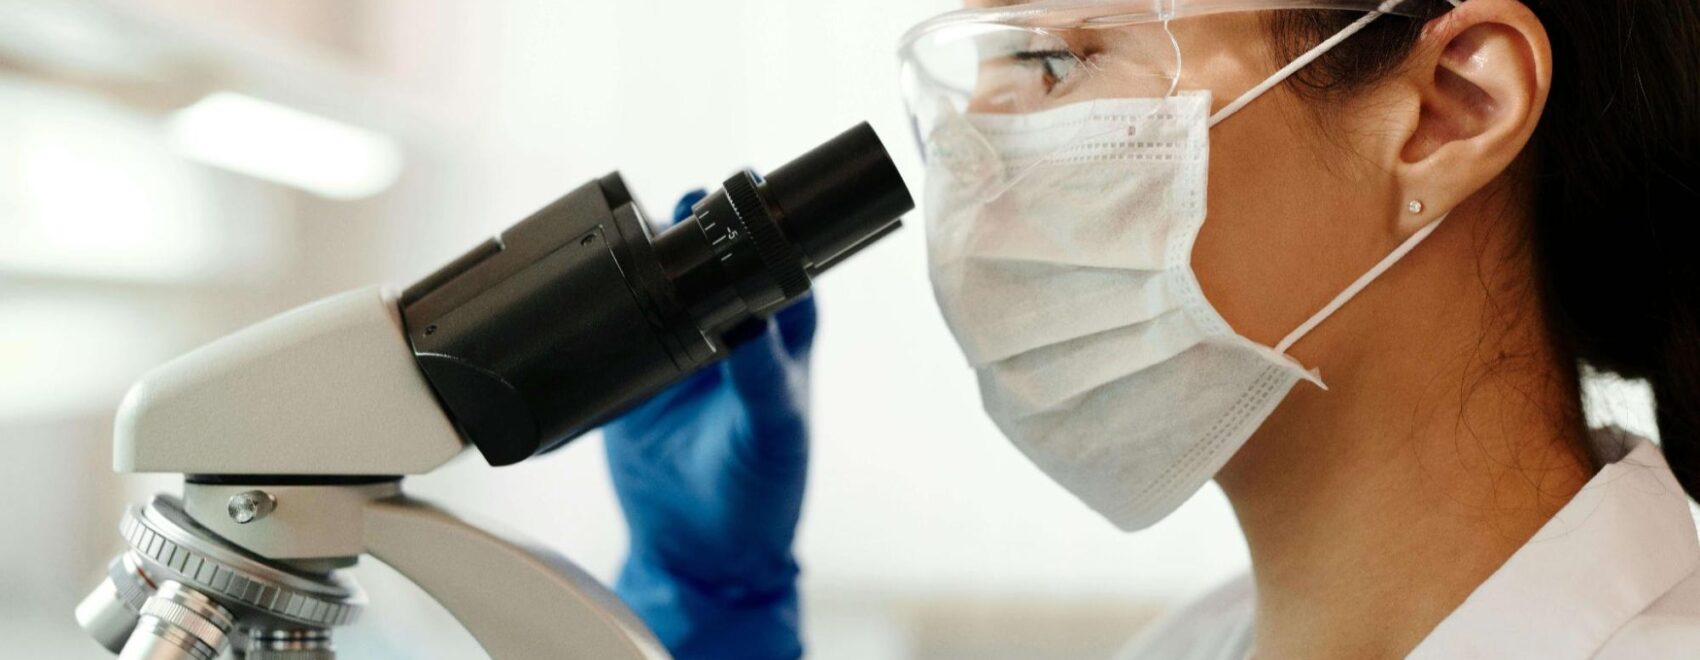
1612	575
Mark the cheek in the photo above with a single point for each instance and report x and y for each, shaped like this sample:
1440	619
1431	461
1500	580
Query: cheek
1285	229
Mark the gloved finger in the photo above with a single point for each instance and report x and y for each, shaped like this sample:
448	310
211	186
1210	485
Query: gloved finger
774	395
682	209
797	326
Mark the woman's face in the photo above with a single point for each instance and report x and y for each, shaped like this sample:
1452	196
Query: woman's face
1293	217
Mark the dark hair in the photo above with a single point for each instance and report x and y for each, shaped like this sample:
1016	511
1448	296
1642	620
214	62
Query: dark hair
1615	173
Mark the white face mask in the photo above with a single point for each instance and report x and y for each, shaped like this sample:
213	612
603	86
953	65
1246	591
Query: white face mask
1071	292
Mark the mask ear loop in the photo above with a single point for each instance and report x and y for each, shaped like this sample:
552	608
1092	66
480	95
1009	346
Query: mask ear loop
1358	286
1398	253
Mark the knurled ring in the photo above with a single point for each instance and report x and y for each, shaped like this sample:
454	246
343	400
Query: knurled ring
783	260
216	578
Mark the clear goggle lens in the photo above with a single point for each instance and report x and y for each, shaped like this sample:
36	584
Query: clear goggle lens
965	81
974	72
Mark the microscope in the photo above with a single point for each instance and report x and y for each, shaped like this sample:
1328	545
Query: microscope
294	434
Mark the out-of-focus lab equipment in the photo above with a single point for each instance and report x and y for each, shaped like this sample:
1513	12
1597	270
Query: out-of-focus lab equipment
294	434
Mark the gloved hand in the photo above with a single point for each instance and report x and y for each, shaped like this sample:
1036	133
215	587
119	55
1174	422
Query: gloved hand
710	474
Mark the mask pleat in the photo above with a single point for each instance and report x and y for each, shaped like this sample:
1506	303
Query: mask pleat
1012	310
1137	429
1045	378
1060	255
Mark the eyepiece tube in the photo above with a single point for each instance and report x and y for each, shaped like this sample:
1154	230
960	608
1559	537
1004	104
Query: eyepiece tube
580	311
838	195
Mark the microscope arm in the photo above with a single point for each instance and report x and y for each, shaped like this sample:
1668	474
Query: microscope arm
520	601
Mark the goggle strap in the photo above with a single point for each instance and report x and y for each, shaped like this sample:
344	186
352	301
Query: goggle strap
1301	61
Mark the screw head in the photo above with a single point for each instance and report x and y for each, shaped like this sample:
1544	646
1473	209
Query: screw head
249	506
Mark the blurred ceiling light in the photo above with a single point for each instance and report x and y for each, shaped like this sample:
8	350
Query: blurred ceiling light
89	189
284	145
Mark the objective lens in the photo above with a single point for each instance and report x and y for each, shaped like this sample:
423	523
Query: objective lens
179	623
110	612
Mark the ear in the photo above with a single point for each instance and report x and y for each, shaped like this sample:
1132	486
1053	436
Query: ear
1475	86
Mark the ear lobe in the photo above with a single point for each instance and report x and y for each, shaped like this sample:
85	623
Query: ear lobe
1482	72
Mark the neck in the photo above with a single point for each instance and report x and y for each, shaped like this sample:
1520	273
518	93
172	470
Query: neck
1374	508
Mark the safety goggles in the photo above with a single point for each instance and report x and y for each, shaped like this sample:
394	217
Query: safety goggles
1022	58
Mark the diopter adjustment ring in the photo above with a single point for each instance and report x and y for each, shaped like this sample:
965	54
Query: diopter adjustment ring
784	262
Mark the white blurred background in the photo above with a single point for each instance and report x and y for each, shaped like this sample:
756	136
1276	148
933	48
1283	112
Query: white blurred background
146	207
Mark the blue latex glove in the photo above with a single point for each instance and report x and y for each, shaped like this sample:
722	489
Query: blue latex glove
710	473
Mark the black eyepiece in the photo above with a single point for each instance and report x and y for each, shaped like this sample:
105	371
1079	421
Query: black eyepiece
575	314
839	195
763	239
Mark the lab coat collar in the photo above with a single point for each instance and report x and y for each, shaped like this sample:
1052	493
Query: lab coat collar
1623	541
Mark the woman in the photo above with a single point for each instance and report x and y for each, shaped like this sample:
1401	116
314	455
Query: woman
1423	216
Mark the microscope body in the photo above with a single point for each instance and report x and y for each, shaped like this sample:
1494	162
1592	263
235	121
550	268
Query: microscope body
293	435
329	388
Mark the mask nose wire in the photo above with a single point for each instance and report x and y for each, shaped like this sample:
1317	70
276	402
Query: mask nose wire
1174	84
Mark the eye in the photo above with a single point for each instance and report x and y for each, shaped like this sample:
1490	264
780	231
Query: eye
1055	64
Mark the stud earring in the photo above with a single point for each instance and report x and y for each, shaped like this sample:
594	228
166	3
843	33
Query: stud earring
1416	206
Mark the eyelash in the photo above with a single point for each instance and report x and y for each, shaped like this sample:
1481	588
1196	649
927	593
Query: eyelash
1044	58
